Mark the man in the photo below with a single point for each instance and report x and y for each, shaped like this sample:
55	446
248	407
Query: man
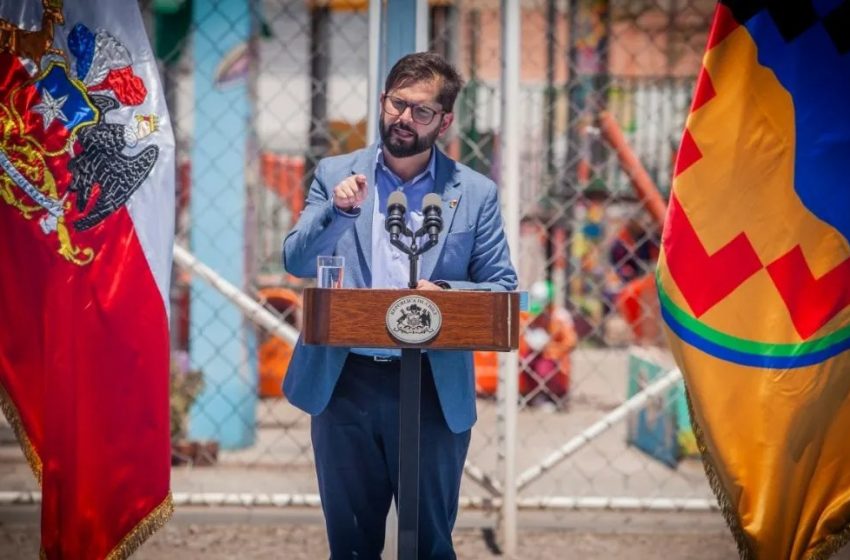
352	393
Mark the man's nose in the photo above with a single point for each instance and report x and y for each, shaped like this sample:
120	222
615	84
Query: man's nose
407	114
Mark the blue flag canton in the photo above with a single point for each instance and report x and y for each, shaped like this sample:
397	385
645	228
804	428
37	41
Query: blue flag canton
63	101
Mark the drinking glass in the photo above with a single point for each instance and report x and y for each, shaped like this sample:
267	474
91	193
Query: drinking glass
329	271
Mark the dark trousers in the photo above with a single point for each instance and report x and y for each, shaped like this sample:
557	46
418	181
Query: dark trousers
355	441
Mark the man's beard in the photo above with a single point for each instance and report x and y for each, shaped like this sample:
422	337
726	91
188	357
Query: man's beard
407	147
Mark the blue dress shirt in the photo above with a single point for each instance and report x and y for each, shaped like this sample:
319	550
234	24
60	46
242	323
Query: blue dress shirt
390	266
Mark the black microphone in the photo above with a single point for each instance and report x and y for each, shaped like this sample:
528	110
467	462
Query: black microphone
396	207
432	213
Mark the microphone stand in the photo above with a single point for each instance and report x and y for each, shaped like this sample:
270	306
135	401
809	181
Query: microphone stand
413	251
409	413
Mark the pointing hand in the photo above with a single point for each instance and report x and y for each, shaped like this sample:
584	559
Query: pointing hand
350	192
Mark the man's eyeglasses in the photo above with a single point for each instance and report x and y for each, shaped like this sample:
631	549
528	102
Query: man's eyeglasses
420	113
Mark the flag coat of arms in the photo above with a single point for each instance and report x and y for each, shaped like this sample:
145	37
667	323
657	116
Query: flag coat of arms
86	222
754	276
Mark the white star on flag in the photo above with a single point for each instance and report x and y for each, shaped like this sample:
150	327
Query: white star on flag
50	108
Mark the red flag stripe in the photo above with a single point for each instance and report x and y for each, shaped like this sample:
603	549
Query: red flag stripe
704	279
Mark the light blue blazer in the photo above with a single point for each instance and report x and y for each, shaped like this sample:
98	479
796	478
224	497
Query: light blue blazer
472	253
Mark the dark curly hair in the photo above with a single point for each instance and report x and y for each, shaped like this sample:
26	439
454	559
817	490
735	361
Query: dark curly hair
423	67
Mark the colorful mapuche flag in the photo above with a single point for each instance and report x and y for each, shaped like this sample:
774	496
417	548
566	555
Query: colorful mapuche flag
86	222
754	278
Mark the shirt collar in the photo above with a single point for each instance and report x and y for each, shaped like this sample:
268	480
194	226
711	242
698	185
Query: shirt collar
430	169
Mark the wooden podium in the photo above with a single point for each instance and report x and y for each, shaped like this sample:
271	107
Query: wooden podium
462	320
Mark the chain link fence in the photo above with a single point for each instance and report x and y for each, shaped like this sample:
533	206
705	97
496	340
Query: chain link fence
260	90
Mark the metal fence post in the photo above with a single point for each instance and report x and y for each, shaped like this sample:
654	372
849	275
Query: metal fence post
399	28
510	200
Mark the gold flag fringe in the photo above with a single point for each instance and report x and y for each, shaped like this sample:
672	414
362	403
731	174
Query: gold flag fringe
10	411
730	514
146	527
831	545
132	540
823	551
140	533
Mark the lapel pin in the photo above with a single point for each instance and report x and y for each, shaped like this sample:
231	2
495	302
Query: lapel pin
453	203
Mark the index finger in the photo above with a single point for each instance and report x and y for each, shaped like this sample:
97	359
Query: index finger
361	182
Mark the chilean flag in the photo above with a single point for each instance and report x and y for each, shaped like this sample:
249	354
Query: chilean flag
87	220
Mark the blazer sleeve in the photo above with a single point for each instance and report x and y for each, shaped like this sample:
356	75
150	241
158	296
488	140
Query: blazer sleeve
318	228
490	265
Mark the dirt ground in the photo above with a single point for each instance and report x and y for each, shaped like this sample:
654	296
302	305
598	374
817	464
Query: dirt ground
218	537
306	542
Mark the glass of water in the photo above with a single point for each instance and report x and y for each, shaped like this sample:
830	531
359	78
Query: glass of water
329	271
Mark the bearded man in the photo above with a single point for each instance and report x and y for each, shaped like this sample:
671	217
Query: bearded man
353	393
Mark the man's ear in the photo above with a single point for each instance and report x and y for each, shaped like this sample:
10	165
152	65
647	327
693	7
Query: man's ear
448	119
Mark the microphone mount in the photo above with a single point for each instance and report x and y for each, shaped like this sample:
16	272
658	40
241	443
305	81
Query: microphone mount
432	224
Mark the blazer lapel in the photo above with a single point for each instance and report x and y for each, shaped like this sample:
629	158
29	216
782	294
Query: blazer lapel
447	186
365	165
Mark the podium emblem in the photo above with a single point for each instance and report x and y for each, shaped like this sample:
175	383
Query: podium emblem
414	319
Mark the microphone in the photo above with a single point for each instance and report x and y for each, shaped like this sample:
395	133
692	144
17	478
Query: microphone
396	208
432	213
